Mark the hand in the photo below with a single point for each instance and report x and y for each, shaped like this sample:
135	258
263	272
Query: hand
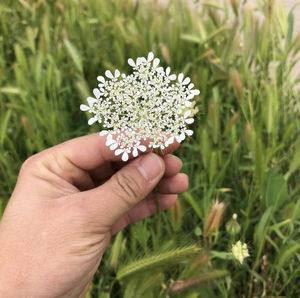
68	202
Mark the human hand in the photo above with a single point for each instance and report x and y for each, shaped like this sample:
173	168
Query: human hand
68	202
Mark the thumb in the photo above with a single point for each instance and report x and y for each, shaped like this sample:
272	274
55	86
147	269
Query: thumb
126	187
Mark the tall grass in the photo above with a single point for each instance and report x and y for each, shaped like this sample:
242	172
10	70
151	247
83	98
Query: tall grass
246	148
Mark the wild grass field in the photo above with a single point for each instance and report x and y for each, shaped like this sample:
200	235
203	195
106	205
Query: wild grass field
244	158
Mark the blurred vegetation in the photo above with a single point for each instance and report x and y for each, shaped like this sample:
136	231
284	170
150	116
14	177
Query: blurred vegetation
245	152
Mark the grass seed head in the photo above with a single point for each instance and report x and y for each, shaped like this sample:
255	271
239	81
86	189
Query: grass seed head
214	218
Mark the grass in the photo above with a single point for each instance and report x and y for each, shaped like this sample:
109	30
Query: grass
245	151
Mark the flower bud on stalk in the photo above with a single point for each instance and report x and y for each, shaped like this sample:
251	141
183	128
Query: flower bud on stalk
232	226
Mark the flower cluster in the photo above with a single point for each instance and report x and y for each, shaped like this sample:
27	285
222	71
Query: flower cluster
240	251
149	104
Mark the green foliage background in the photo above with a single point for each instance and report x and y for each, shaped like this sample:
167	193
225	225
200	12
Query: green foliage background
245	151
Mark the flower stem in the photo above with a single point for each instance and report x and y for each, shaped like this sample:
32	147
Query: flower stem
158	226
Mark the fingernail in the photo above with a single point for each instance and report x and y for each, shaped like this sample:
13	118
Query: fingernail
150	166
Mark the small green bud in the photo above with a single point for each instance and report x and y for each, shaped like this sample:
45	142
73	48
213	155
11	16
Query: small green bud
232	226
198	231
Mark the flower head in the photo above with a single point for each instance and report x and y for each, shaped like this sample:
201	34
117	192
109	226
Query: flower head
240	251
147	104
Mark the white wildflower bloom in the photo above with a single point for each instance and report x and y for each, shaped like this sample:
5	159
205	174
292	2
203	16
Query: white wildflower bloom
147	104
240	251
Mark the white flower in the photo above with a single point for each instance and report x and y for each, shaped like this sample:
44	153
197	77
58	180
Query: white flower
240	251
148	104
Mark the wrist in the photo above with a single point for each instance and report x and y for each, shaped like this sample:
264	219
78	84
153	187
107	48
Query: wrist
13	278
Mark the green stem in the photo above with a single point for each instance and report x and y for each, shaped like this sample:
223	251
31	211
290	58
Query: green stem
158	225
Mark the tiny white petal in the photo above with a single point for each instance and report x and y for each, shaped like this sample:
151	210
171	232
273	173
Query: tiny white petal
113	146
187	103
186	114
150	57
84	107
97	93
191	85
162	147
135	152
190	96
142	148
159	69
91	101
101	79
168	69
189	120
109	137
119	151
180	77
131	62
139	60
110	142
172	77
117	73
178	139
186	81
125	156
155	62
195	91
92	120
143	59
189	132
103	133
109	74
182	136
171	140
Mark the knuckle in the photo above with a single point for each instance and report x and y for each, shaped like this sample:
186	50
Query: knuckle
127	187
28	163
33	163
